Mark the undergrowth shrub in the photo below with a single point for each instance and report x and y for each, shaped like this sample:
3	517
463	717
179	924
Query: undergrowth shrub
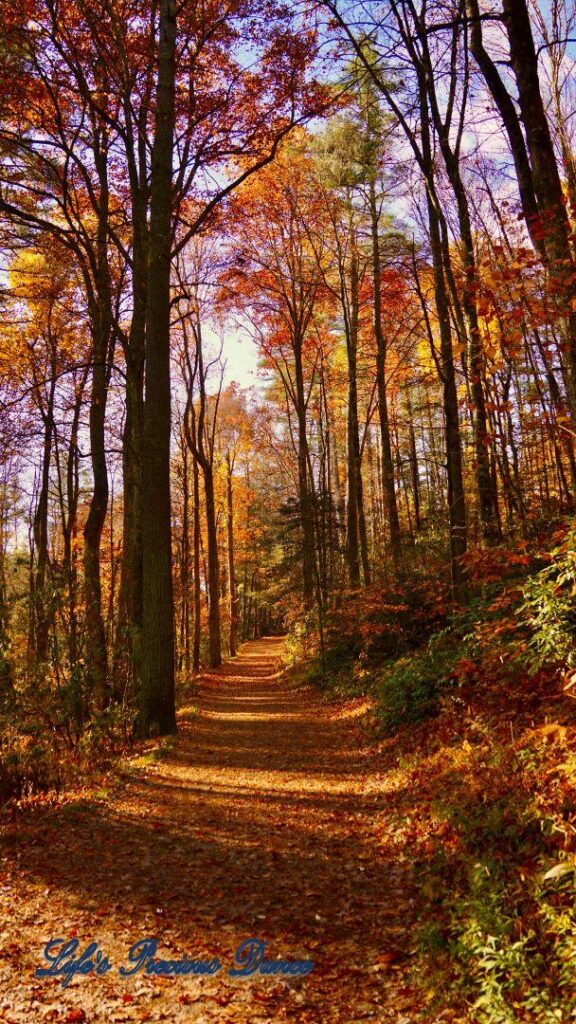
507	943
496	873
382	623
27	765
409	689
369	627
549	609
50	735
488	793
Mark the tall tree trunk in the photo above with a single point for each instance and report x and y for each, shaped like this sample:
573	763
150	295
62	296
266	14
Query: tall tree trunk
362	531
69	531
101	317
468	324
158	713
329	510
39	603
507	110
97	657
196	537
385	440
214	637
202	449
485	483
554	220
126	672
456	496
414	471
233	588
306	495
184	657
353	440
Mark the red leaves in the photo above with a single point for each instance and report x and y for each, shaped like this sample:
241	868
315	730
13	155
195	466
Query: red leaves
488	565
464	669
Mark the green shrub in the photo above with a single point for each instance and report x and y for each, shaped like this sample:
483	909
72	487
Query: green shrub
549	609
515	949
410	688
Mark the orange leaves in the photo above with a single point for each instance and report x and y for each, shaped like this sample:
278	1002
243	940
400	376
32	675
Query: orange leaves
489	565
464	670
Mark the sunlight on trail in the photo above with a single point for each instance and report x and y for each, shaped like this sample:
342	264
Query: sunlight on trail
260	822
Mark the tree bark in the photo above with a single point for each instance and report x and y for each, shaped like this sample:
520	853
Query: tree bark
184	657
353	441
233	588
456	496
202	450
158	714
511	122
127	654
196	537
554	222
214	638
102	335
385	440
39	604
304	484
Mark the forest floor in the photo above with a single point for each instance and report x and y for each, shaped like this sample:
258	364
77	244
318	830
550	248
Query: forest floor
264	819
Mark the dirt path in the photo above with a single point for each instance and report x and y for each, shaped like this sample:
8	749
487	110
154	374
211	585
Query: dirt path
259	823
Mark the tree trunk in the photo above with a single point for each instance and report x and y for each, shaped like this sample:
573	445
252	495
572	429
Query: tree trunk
185	565
39	604
97	659
101	317
127	654
69	534
456	497
414	471
353	441
214	639
387	461
233	635
507	110
197	589
304	485
554	223
158	714
362	531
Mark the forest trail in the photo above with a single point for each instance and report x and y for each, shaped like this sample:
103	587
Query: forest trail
259	822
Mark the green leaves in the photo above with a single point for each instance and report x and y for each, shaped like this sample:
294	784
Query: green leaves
549	609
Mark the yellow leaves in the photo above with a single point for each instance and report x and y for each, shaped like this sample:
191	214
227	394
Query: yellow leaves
491	352
44	330
26	263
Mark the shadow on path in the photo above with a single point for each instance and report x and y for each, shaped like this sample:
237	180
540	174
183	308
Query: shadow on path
259	822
